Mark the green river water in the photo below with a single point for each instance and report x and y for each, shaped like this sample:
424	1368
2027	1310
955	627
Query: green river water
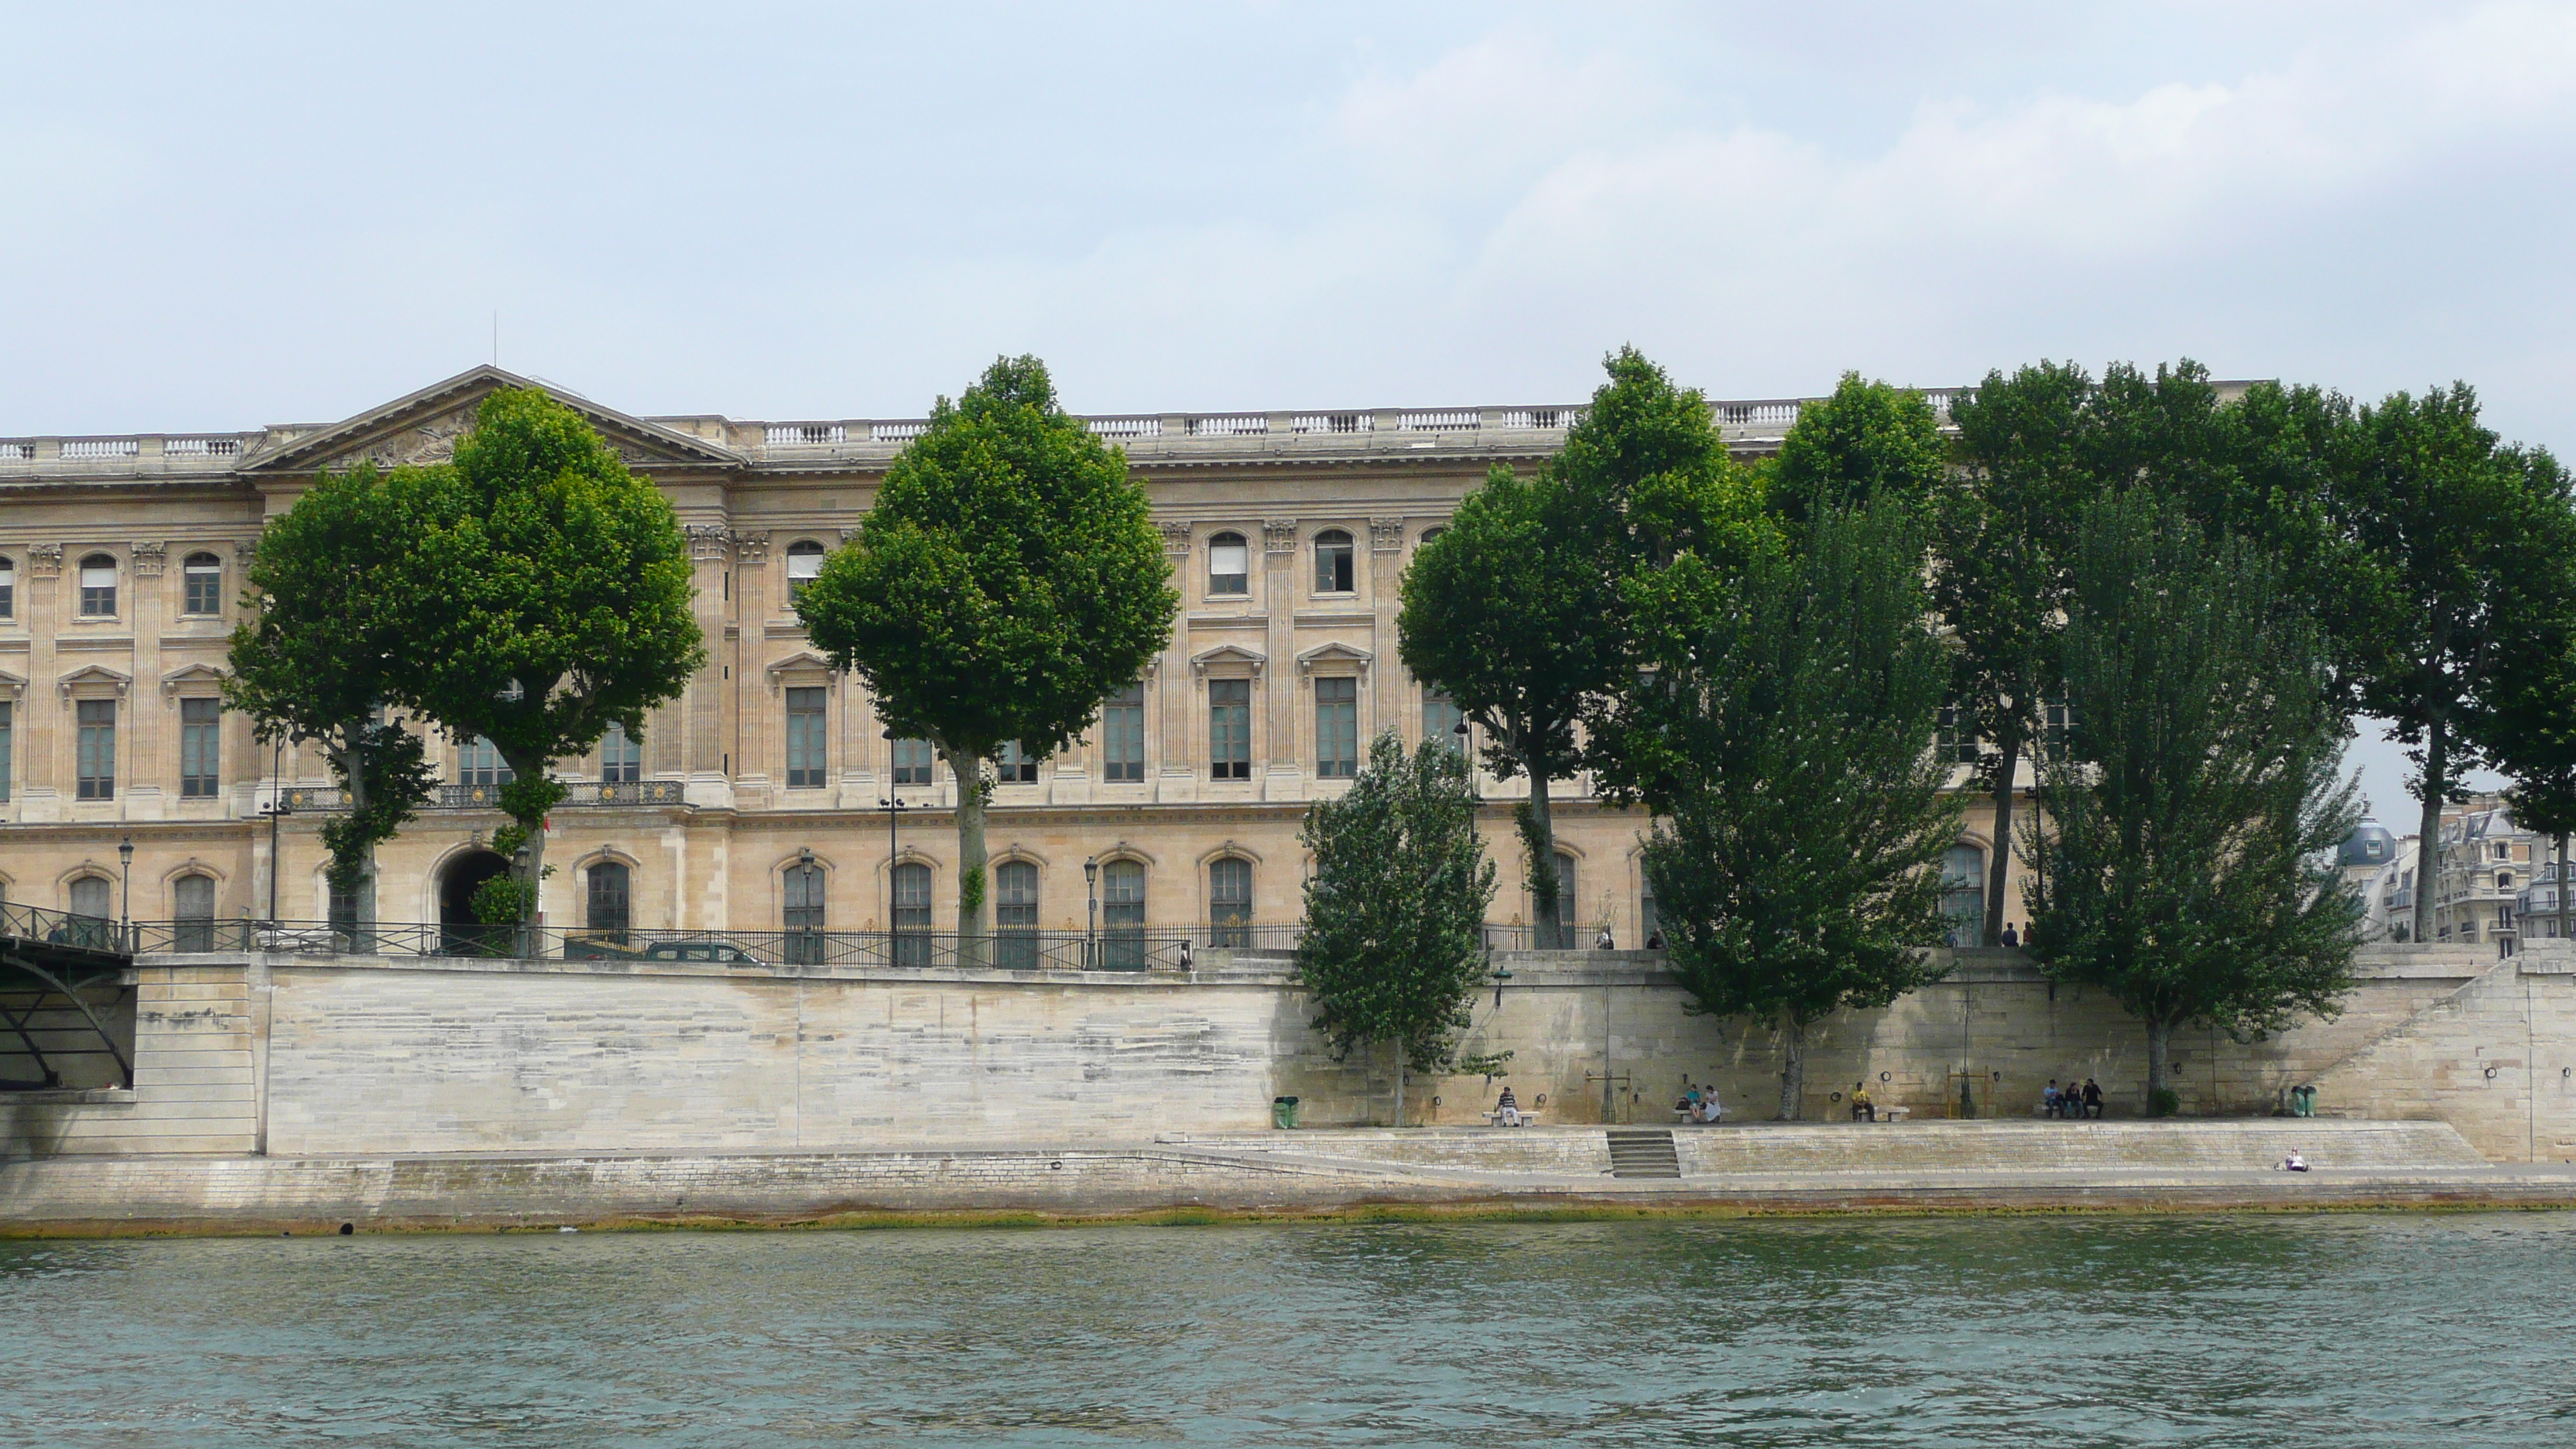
2359	1329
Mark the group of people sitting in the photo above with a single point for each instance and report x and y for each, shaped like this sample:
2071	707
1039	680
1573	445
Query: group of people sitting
1700	1104
2071	1101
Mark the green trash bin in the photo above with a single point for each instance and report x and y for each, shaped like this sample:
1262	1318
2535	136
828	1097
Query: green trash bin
1283	1113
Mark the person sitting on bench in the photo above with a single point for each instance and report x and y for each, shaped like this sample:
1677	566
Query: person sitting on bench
2294	1162
1862	1111
1507	1108
2052	1103
1710	1109
2092	1098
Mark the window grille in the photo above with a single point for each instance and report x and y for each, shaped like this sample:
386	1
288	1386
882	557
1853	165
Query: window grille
1440	720
912	914
192	907
804	565
804	914
478	762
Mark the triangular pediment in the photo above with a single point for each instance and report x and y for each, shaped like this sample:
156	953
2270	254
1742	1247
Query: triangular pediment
1228	658
1336	653
424	427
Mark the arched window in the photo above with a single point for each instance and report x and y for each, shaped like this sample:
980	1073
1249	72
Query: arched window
1333	562
202	584
8	589
1229	565
91	897
1568	935
804	914
192	909
1015	913
804	565
1122	916
912	914
608	898
1963	893
98	587
1230	902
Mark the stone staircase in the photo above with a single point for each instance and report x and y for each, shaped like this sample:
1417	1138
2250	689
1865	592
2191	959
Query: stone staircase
1643	1152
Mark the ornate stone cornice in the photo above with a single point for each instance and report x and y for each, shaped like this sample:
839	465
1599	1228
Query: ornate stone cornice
708	542
751	547
1386	535
1279	535
148	558
45	560
1176	537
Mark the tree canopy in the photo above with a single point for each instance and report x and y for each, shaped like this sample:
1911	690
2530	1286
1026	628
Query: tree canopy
326	648
551	599
1784	743
2182	858
1006	582
1393	950
1867	442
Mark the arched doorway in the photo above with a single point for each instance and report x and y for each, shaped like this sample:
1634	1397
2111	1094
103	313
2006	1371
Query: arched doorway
460	932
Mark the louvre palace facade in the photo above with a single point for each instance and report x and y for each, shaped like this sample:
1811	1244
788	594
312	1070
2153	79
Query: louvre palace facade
759	799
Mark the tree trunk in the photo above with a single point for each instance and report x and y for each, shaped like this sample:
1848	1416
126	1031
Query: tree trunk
2008	764
363	927
1399	1084
974	882
1793	1070
2159	1070
2437	747
1550	931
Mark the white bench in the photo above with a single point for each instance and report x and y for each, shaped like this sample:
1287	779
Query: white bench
1494	1118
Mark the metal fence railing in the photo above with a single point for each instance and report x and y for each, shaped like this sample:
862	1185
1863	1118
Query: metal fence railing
60	928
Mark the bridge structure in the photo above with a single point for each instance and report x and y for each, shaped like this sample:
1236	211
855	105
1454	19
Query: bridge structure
45	955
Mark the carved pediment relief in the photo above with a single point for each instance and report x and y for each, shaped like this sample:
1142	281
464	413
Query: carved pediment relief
425	427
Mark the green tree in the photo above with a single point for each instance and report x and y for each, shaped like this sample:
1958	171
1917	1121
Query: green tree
324	650
2182	859
2465	543
2003	521
1785	746
552	591
1869	441
1006	582
1393	950
1516	610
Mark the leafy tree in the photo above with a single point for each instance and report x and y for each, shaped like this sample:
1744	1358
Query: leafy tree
324	650
1393	947
2003	522
1868	441
1786	748
2465	544
1006	582
2182	860
552	592
1515	610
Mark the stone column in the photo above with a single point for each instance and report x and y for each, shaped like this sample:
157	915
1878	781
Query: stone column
1283	766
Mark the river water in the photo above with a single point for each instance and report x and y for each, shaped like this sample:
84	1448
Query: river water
2034	1332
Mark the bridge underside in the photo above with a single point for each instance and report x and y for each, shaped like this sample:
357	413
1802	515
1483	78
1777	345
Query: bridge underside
66	1010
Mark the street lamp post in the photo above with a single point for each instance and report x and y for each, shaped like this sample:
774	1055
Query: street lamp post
125	893
1091	915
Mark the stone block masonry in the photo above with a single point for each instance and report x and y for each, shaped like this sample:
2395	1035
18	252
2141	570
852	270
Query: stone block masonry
323	1057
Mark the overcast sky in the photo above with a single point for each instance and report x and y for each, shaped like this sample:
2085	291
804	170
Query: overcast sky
218	217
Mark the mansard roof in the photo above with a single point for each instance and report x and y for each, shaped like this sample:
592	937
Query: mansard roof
424	427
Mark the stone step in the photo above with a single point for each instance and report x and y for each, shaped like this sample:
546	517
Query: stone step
1643	1152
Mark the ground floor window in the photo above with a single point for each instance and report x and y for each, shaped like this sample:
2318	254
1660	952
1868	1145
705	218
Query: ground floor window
1963	893
1122	915
1230	902
912	914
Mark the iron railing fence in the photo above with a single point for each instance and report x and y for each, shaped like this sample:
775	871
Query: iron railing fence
1113	948
60	928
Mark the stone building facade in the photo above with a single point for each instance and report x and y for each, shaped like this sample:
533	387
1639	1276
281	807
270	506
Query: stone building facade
764	787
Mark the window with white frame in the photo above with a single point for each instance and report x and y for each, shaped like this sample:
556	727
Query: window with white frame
1229	565
804	565
201	577
98	587
8	589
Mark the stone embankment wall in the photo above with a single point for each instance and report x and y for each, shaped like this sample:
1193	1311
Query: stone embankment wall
297	1056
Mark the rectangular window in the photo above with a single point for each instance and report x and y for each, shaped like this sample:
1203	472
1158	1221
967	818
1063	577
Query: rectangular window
805	738
200	748
478	762
1230	728
912	761
1955	740
8	589
8	755
1018	766
97	721
621	758
204	586
98	590
1229	565
1440	719
1337	728
1122	735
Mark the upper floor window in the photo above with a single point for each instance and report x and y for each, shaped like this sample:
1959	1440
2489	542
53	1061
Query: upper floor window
1333	562
2504	880
621	758
912	762
202	584
1955	736
8	589
2054	730
1337	728
805	738
478	762
1230	729
96	747
1963	893
1122	735
8	729
1440	720
98	587
200	748
1229	565
804	565
1018	766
